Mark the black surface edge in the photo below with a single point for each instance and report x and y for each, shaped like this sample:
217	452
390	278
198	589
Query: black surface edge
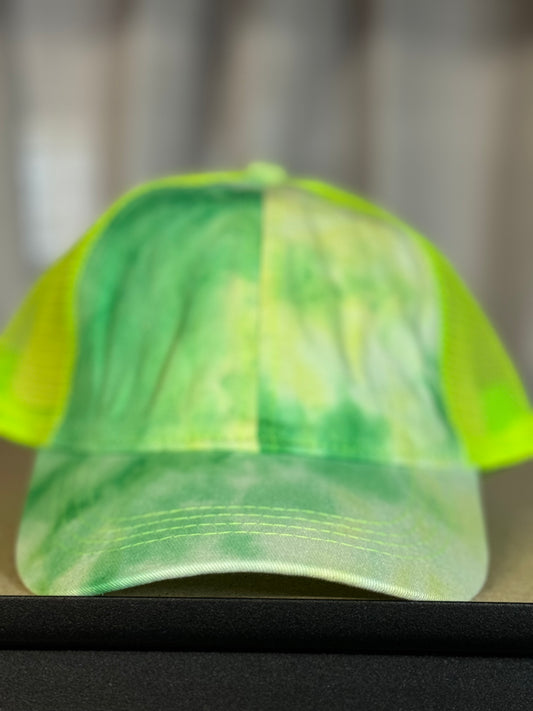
280	625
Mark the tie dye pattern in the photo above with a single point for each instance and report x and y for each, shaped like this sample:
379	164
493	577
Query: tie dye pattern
256	386
105	522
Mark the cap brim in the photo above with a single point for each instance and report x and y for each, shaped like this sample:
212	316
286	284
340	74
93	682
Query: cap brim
94	523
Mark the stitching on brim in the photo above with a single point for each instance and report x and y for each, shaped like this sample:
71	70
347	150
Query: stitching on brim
436	548
157	514
250	523
108	530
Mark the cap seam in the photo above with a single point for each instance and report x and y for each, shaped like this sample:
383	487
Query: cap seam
259	325
92	238
228	448
426	249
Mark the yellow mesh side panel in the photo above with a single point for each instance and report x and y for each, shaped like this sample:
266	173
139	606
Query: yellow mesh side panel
486	399
37	354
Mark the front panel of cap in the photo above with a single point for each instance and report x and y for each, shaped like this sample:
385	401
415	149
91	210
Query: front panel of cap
227	318
350	338
167	318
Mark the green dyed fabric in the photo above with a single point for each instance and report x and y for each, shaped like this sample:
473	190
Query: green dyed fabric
217	318
349	338
257	387
104	522
167	311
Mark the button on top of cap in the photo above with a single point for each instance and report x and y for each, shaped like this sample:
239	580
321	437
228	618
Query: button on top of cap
266	173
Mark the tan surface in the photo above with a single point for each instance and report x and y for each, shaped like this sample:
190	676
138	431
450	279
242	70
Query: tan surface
508	499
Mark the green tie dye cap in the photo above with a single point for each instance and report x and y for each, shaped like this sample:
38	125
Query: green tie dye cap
249	372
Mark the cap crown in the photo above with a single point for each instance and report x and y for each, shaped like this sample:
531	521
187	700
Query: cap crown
259	313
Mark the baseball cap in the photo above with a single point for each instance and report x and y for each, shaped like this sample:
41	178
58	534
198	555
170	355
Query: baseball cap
252	372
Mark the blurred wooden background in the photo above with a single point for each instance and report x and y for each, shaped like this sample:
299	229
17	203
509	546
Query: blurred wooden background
424	106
